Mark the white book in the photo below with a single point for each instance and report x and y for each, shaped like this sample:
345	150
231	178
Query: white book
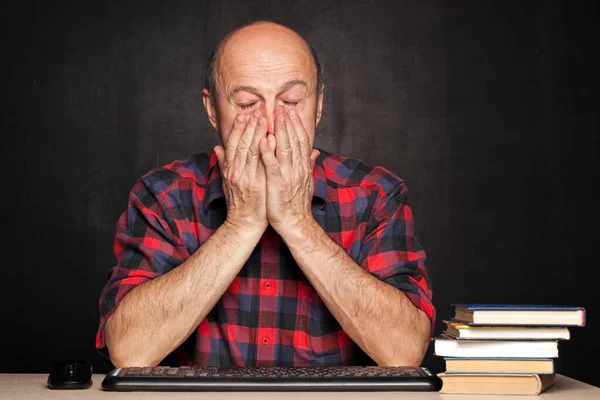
446	346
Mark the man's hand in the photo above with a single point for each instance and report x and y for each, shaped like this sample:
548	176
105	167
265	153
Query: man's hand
289	171
244	180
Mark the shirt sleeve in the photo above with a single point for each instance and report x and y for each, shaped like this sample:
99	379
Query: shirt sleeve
392	252
146	246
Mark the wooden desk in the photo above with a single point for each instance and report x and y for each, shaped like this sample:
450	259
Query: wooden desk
33	386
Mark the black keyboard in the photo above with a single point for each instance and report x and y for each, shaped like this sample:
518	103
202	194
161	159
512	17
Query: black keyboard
349	378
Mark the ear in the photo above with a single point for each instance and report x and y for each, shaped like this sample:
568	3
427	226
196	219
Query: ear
210	107
320	104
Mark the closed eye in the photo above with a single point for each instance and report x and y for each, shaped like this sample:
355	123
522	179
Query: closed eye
250	105
247	106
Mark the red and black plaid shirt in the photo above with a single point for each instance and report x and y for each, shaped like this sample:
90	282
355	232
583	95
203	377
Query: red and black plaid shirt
270	315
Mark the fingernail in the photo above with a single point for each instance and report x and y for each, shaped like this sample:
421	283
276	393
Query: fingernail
240	118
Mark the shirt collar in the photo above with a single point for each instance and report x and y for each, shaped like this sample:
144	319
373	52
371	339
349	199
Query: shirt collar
214	186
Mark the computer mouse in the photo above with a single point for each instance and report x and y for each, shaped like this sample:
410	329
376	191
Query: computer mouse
71	374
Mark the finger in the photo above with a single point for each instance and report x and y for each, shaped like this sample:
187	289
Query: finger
260	169
220	153
239	124
272	166
244	144
272	142
284	151
272	146
293	138
314	154
303	140
252	159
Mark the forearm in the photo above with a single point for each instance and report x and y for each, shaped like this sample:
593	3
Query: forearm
377	316
157	316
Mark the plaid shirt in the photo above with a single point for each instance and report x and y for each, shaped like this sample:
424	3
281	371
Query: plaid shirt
270	315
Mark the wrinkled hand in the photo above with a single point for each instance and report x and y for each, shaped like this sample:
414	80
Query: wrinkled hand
243	174
289	172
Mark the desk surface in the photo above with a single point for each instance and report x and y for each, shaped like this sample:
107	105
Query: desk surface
33	386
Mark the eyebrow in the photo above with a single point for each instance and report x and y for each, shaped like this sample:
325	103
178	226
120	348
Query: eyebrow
291	84
286	86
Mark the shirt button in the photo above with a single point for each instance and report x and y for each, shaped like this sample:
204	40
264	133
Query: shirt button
267	285
265	340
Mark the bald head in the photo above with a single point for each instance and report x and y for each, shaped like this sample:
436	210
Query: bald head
263	69
262	41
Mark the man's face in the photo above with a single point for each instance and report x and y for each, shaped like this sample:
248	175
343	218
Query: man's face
260	72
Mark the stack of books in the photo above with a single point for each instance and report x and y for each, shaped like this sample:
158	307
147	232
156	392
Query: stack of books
503	348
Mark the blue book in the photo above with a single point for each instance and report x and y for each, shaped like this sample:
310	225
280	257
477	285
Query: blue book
519	314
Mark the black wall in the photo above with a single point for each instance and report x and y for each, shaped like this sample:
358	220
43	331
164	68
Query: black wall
486	109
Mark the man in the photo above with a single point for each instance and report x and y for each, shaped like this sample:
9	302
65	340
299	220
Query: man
266	251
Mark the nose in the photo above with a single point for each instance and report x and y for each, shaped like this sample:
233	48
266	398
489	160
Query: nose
270	112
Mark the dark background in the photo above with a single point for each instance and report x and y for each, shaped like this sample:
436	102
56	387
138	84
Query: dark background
486	109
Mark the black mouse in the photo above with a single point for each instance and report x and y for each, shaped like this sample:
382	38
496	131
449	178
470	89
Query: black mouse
71	374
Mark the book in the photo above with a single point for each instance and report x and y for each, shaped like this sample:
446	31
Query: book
447	346
461	330
499	365
519	384
519	314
